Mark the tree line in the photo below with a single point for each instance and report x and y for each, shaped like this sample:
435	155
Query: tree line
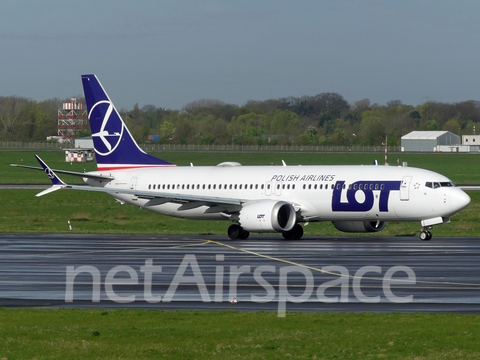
323	119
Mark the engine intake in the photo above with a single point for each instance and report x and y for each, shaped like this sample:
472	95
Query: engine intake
359	226
267	216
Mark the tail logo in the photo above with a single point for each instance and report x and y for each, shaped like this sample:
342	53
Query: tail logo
49	173
111	130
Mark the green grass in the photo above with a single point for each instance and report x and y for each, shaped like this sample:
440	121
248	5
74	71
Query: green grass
461	168
21	211
137	334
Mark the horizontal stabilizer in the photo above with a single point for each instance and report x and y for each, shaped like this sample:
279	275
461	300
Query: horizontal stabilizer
50	189
73	173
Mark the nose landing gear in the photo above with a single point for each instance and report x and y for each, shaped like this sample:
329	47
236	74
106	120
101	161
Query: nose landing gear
425	235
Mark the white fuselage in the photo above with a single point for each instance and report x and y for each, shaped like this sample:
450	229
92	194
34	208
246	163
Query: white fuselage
318	193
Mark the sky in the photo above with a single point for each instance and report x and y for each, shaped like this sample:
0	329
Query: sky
169	53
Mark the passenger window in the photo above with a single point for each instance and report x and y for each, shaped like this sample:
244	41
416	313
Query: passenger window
230	186
168	186
304	186
382	187
293	187
256	186
288	186
376	186
163	186
371	186
268	186
283	186
203	187
355	187
360	187
251	186
338	187
183	187
188	186
173	186
214	186
240	187
154	186
315	186
149	186
309	186
278	186
235	186
321	186
198	186
264	186
333	186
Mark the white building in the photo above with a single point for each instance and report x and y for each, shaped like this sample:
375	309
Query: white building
429	141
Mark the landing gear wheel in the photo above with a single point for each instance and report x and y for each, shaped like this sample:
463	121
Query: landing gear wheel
234	232
295	233
425	235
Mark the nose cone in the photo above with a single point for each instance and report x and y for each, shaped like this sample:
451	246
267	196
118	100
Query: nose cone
459	200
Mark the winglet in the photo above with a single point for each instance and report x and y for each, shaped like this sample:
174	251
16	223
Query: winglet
56	181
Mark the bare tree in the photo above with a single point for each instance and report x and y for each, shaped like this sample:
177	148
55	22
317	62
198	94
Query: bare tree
11	108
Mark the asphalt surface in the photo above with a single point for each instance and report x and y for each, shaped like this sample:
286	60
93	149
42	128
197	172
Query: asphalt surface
262	273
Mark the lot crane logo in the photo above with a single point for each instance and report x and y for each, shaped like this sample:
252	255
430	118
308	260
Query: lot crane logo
111	129
49	173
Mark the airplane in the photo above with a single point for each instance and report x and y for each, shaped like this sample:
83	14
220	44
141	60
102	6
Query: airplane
259	199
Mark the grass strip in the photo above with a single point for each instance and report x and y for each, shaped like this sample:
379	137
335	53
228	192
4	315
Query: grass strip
131	334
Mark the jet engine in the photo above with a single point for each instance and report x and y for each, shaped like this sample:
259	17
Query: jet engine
267	216
359	226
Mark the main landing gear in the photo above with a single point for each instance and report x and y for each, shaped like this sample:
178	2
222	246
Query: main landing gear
236	232
295	234
425	235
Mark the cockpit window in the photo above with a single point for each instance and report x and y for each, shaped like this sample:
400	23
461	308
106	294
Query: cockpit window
436	185
447	184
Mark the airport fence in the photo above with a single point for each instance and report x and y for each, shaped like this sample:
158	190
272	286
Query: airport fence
27	146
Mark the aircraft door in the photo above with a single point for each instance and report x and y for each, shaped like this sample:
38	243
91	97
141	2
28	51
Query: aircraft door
133	186
405	188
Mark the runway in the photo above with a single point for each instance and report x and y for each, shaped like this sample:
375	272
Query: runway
353	274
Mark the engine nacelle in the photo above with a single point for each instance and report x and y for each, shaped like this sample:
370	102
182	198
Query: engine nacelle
267	216
359	226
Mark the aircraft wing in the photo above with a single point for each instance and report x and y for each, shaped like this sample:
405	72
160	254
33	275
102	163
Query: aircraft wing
65	172
159	195
156	198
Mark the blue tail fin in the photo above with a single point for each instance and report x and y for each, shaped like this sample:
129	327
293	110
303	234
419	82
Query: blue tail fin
115	147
